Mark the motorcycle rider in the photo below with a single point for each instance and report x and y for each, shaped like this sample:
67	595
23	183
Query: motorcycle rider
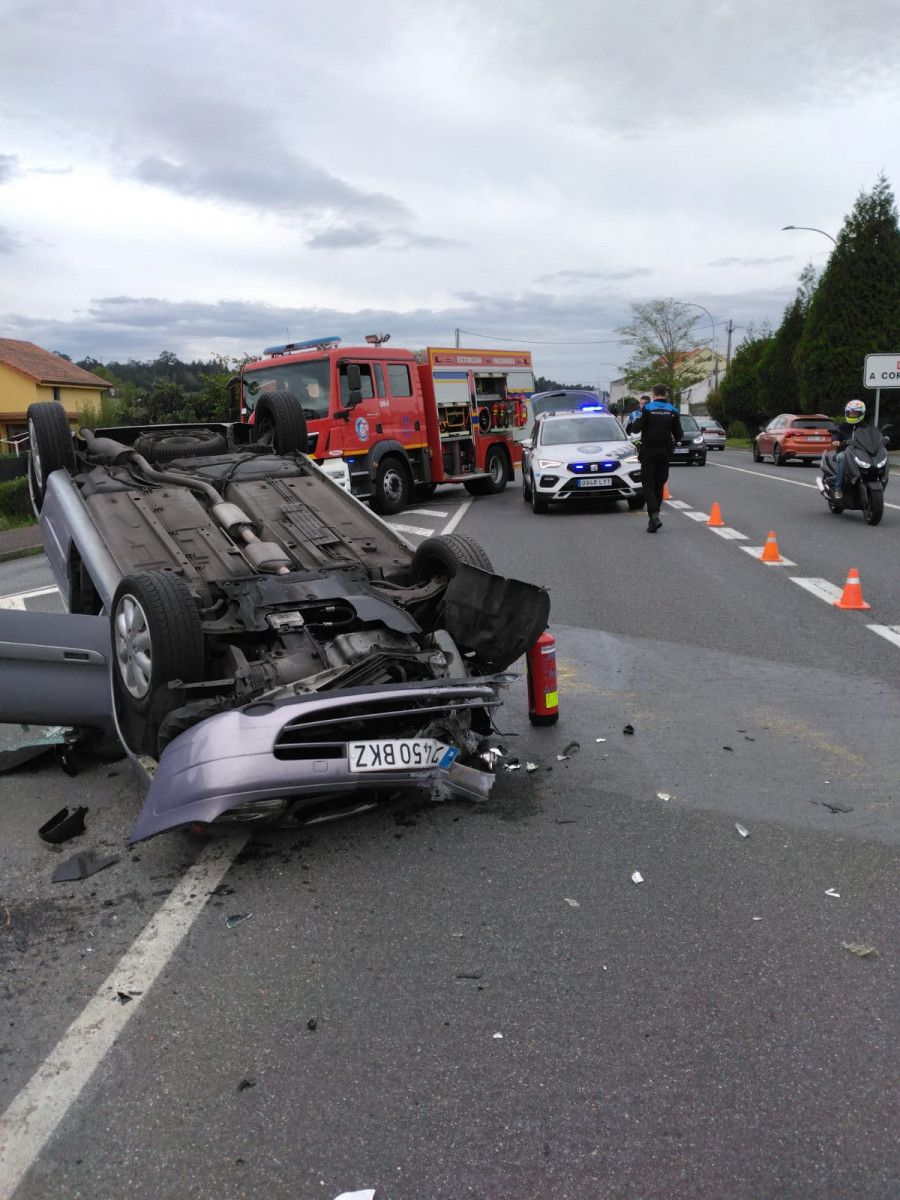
854	416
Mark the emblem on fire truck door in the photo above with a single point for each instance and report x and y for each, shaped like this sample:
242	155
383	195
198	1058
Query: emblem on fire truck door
362	429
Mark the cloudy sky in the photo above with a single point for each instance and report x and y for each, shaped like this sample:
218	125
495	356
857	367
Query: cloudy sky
212	176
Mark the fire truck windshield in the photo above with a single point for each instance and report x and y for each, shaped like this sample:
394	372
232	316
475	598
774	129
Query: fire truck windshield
308	381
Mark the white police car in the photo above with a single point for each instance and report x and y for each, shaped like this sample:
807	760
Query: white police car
581	453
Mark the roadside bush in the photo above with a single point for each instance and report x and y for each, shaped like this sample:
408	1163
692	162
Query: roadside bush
737	429
15	503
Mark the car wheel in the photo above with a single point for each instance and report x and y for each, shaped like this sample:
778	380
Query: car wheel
757	457
497	466
163	446
636	503
526	486
391	493
442	555
280	423
778	458
538	503
701	462
51	446
156	636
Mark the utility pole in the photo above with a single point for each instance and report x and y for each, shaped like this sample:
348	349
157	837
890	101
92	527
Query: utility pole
457	339
728	351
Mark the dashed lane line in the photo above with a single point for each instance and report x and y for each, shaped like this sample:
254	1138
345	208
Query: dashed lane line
729	534
819	587
420	530
757	552
891	632
37	1110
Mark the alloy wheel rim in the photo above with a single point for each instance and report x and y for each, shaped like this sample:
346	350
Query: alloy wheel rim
35	456
133	649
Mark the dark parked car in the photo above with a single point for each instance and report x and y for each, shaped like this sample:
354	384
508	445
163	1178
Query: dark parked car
273	644
692	446
712	432
790	435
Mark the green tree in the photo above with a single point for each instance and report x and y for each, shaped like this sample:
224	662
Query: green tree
661	334
740	398
855	310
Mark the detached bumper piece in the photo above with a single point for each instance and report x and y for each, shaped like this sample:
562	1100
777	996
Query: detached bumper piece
271	757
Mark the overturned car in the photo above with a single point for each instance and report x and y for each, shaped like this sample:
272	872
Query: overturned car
274	646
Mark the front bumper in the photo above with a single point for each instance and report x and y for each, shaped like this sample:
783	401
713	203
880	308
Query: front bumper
688	454
288	748
619	485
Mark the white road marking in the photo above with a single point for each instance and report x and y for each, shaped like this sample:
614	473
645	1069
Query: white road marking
418	529
757	552
17	601
698	516
820	587
729	534
891	632
457	516
779	479
38	1109
677	504
426	512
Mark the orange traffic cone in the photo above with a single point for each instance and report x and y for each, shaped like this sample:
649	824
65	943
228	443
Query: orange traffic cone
770	550
715	517
667	495
852	594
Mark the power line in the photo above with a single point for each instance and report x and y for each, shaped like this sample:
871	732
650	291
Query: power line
531	341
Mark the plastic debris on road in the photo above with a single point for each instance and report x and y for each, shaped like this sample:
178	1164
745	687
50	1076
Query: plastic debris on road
498	1036
62	826
599	739
637	877
860	949
572	748
365	1194
664	795
628	730
756	918
529	767
80	866
741	830
833	893
572	903
237	919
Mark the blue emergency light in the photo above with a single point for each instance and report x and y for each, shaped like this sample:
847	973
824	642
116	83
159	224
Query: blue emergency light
323	343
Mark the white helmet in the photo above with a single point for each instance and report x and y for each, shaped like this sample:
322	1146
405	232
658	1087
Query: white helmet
855	411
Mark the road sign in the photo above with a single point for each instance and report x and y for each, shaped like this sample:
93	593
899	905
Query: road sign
882	371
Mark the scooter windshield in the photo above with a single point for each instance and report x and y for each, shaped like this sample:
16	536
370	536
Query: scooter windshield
869	439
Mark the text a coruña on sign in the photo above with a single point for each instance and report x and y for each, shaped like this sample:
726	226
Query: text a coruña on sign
882	371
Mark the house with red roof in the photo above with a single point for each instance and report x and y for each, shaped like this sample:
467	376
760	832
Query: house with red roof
29	374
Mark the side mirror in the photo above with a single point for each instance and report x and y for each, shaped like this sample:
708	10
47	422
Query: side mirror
527	444
354	385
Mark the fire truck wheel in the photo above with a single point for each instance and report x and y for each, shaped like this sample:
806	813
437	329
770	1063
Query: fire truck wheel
496	464
161	445
443	554
280	423
391	493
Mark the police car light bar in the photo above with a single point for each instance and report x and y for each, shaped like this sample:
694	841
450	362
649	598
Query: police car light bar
323	343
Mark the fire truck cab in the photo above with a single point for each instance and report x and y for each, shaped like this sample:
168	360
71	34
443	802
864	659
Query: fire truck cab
390	424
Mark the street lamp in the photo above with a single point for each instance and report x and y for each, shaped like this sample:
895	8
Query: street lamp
715	361
811	228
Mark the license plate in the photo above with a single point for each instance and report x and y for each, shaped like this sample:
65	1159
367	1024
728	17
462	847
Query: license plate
595	482
681	449
395	754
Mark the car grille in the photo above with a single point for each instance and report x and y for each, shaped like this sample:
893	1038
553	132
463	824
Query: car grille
322	731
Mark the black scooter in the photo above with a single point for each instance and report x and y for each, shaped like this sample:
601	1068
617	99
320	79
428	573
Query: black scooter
866	471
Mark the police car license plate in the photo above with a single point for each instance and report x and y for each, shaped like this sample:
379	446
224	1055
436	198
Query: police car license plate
595	482
393	754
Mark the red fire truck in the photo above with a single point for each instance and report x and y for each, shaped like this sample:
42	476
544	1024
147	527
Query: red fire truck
391	424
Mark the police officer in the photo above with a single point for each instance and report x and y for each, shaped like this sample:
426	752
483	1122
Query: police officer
659	427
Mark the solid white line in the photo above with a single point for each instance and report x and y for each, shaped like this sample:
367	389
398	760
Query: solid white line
422	532
425	512
457	516
820	587
17	600
37	1110
757	552
698	516
729	534
778	479
891	632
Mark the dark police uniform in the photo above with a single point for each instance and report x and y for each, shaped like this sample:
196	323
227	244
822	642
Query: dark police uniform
659	426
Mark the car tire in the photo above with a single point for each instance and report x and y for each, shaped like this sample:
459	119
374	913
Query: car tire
443	554
778	459
156	637
497	466
538	504
526	489
162	445
757	457
701	462
391	494
51	446
280	423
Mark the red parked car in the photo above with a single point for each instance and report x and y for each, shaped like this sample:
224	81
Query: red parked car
791	435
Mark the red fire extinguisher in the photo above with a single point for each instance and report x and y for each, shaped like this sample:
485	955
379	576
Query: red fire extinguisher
543	697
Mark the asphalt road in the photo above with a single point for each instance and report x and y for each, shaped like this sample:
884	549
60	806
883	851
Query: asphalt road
701	1033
